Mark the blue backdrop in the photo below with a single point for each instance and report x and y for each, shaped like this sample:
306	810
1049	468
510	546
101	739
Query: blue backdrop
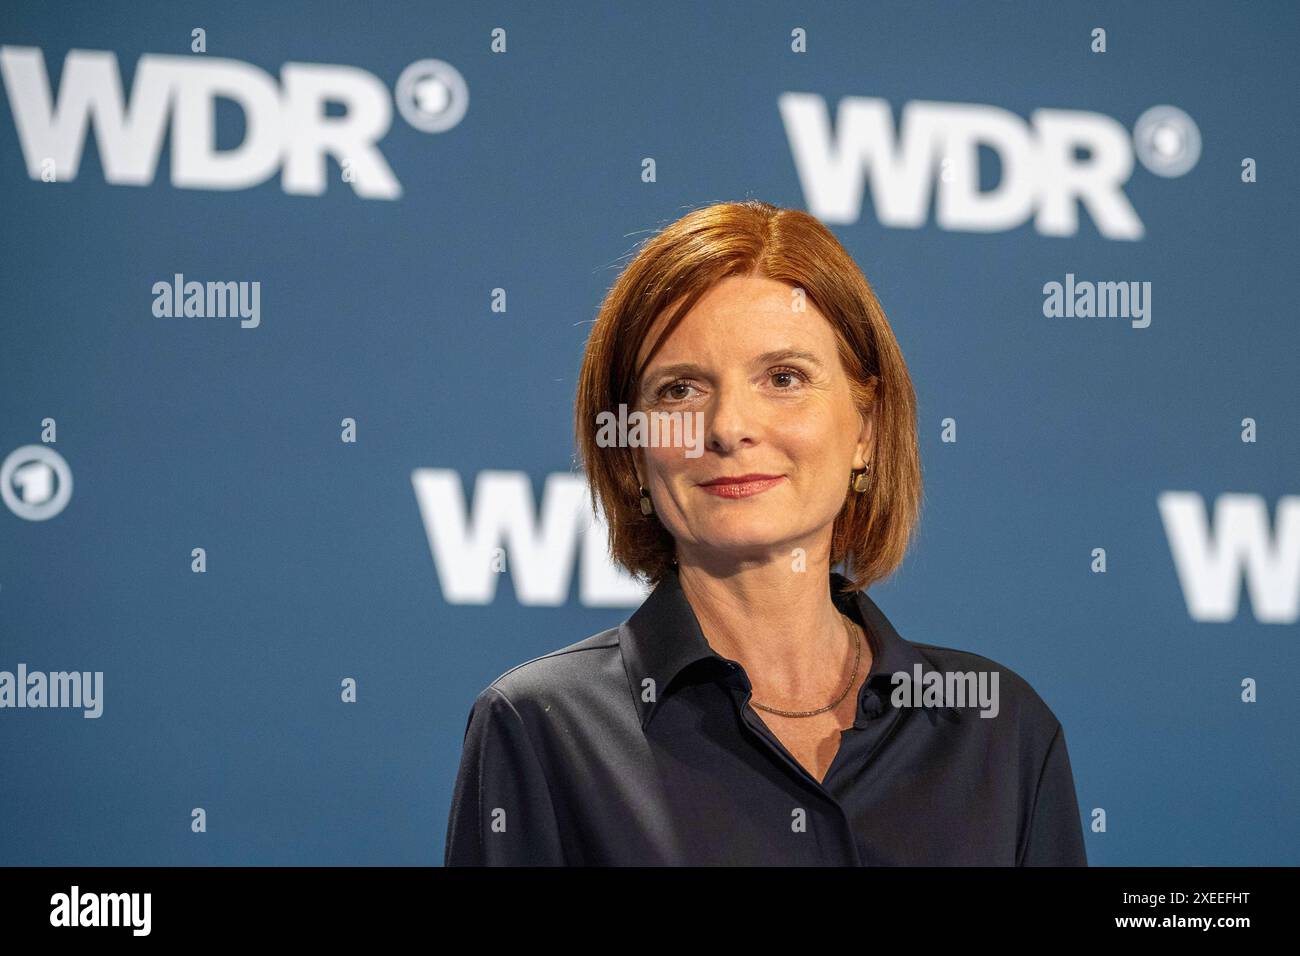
1111	500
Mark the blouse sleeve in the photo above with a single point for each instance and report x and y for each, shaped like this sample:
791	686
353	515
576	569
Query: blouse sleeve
1055	833
501	810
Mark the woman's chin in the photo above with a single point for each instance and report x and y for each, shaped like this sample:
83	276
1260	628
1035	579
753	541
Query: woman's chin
743	542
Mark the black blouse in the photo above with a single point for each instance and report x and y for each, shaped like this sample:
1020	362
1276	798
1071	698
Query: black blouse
637	746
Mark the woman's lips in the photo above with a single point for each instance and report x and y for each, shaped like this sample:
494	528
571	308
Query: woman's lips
741	489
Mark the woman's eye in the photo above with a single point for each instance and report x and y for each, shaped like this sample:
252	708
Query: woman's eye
664	391
786	379
787	373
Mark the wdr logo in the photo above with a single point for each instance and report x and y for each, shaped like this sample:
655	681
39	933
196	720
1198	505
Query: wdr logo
286	126
1042	175
1211	562
545	545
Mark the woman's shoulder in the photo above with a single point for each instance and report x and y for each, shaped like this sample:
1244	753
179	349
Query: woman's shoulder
565	675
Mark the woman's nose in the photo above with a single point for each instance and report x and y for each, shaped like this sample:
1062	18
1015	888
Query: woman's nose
730	420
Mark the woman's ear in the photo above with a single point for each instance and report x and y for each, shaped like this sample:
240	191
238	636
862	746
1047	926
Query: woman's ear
866	440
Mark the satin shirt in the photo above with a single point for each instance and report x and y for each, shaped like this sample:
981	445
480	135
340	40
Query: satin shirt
637	746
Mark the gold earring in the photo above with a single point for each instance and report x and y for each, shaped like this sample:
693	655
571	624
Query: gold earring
647	506
858	479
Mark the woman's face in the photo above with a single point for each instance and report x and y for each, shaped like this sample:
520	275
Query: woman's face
776	403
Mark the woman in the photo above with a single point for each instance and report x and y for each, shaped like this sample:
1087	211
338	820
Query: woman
752	711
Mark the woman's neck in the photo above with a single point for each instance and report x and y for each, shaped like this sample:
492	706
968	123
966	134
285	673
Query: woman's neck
780	625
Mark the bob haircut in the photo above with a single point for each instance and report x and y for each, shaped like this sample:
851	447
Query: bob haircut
673	270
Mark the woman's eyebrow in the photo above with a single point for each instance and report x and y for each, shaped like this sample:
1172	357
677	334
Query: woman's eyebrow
777	355
780	355
681	368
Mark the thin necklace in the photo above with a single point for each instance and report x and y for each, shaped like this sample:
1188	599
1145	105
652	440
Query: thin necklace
857	640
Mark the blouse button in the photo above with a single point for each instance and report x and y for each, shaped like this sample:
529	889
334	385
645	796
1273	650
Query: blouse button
871	706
